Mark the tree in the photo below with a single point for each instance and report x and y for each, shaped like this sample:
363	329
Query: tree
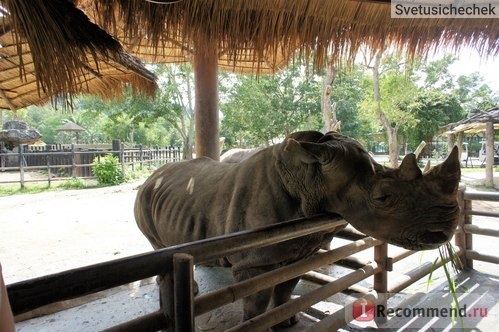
437	74
328	108
473	93
174	102
432	110
347	93
257	111
392	86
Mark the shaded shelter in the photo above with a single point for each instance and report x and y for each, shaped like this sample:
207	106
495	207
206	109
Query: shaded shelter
72	127
479	121
41	59
224	34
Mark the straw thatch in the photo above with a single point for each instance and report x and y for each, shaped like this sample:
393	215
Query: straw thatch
50	48
271	31
70	126
476	123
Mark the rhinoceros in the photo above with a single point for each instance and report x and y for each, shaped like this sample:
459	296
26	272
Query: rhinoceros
309	173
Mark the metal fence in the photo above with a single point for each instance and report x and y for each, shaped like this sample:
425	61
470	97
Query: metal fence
174	264
69	161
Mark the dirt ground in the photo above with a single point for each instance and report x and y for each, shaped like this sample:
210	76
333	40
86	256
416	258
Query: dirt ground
54	231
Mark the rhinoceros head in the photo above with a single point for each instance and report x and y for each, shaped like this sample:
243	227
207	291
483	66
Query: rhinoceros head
401	206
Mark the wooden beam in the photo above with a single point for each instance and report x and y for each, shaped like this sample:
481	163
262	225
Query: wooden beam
7	101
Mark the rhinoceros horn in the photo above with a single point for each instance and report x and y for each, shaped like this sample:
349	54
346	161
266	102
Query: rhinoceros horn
449	172
409	169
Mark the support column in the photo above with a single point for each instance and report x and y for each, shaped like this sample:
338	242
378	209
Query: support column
489	155
206	104
460	141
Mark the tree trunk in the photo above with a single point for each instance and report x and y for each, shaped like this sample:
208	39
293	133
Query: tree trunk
391	132
328	110
489	155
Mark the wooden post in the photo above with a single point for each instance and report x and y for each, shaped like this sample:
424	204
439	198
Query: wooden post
451	141
122	158
380	283
206	104
73	161
49	173
460	141
463	240
21	164
141	156
183	280
489	155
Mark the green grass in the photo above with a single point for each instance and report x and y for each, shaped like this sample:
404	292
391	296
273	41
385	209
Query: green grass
34	188
71	183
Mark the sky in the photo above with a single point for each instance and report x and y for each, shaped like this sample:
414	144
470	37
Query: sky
469	62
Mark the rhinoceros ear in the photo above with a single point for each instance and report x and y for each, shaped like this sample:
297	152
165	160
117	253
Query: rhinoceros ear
306	152
409	169
449	172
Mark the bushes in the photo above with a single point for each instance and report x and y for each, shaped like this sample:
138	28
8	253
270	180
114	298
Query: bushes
107	169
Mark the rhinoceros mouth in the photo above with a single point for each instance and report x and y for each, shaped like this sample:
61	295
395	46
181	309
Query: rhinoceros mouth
432	238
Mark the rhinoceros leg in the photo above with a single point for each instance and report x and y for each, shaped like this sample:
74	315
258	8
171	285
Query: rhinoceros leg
255	304
282	294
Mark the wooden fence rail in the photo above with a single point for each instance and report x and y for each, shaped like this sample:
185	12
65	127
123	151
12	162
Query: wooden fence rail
174	264
74	162
464	239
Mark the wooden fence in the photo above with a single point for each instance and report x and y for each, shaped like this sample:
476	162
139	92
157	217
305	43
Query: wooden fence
174	264
72	161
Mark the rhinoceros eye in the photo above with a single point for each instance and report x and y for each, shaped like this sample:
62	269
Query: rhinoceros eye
381	195
382	198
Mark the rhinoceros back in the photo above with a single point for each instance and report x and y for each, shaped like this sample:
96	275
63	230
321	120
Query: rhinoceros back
174	205
202	198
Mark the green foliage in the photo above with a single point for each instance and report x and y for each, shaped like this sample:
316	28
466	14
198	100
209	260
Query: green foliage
347	93
418	98
73	183
107	169
473	93
433	109
397	88
28	189
256	111
8	190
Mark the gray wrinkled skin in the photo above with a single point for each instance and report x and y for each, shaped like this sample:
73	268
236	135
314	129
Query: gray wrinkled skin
307	174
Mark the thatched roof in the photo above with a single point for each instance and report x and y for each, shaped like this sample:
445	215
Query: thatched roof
58	46
49	48
70	126
475	123
271	31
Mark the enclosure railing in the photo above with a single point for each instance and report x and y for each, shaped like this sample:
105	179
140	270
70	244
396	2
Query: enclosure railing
73	162
464	237
179	307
